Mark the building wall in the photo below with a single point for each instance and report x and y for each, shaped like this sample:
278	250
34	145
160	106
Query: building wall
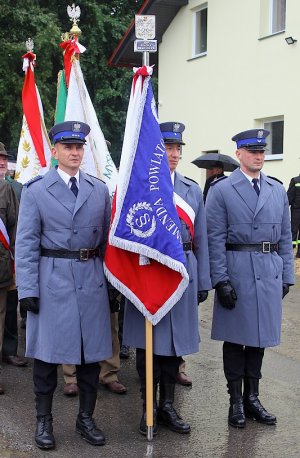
243	79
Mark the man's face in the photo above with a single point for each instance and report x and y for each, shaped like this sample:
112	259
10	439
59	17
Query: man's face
214	171
173	151
3	166
251	162
69	156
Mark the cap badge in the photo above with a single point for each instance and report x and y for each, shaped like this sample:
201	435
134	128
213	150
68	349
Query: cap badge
260	134
76	127
176	127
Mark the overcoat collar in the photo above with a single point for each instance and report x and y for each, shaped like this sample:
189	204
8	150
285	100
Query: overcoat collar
243	187
57	187
181	190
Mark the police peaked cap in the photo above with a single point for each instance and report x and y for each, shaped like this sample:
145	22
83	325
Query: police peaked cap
172	132
69	132
252	140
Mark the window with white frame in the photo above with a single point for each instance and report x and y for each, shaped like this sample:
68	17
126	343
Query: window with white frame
200	31
275	139
272	17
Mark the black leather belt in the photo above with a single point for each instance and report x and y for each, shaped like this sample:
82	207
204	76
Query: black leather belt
83	254
263	247
187	246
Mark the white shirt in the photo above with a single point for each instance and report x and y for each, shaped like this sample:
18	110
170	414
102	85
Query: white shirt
251	178
173	178
66	177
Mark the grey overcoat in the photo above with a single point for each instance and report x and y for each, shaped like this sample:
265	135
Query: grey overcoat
235	214
74	306
177	333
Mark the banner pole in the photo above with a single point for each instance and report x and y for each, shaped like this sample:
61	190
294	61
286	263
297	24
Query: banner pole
145	32
149	380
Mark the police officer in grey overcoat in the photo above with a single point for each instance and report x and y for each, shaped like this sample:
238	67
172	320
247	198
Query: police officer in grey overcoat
177	334
61	238
251	262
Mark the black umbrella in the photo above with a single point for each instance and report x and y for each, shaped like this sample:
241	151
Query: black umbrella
208	160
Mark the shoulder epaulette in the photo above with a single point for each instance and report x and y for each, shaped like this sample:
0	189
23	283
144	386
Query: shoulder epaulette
275	179
33	180
217	180
96	178
188	178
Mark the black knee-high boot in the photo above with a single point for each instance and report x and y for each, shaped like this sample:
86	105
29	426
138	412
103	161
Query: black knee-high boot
253	407
167	415
44	431
236	416
85	424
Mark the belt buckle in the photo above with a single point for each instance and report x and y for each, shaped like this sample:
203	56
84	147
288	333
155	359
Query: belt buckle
84	254
266	247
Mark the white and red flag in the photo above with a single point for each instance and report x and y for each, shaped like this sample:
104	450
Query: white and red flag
144	258
4	239
97	160
34	151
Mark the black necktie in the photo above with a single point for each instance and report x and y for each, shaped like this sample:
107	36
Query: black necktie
255	185
73	187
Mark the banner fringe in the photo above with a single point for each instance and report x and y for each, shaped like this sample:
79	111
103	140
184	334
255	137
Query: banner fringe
163	310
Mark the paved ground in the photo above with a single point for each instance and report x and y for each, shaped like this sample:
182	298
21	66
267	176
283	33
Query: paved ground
205	406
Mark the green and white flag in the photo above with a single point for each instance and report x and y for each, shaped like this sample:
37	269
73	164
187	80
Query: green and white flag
97	160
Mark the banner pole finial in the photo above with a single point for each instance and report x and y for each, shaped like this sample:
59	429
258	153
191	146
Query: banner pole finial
74	13
145	34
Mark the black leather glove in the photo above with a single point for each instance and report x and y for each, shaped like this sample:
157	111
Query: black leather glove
113	296
202	296
285	289
226	294
30	304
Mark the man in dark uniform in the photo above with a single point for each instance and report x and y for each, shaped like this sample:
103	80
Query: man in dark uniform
251	264
294	200
216	170
10	339
8	224
61	238
177	333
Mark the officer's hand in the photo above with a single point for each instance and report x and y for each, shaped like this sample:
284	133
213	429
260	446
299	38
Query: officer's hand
113	296
30	304
226	294
285	289
202	296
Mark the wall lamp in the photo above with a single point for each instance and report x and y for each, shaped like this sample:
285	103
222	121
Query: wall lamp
290	40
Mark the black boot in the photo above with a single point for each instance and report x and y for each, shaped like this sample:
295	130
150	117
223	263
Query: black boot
236	416
253	407
298	251
44	431
85	424
143	426
167	415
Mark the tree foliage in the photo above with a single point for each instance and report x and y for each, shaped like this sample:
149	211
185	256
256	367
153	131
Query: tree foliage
102	24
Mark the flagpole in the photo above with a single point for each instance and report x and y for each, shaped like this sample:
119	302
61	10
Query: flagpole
149	380
145	32
149	350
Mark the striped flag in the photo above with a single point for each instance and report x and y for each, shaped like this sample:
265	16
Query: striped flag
97	160
144	258
34	151
4	239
